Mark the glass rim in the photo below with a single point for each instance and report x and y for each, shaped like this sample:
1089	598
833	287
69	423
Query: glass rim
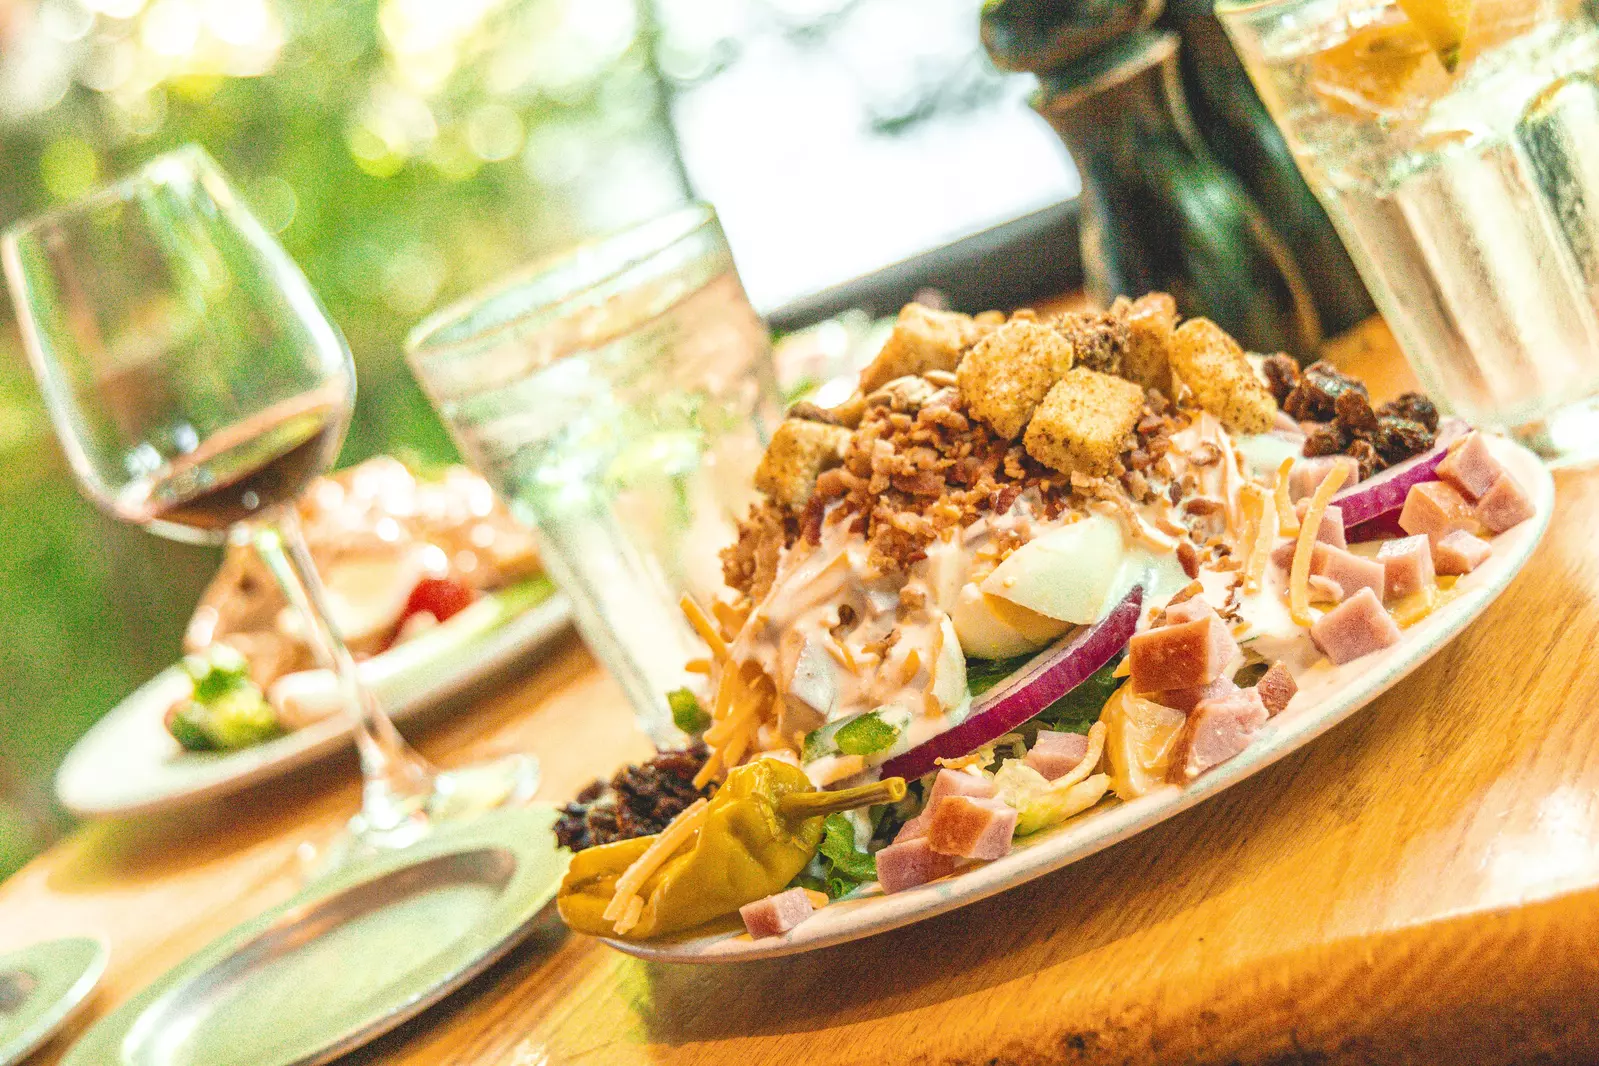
113	191
1244	7
429	340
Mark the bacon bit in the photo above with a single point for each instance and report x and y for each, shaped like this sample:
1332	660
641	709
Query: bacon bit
702	625
1299	577
1287	520
1264	518
698	666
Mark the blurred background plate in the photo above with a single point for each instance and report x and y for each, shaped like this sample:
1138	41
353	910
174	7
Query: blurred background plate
41	988
129	764
347	959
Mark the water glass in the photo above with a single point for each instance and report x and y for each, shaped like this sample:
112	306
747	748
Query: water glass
1457	163
619	397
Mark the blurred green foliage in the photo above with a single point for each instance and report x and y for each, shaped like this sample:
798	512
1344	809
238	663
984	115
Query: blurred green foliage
405	152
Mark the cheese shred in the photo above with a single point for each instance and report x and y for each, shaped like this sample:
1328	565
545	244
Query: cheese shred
1265	536
677	833
704	627
1287	521
1299	576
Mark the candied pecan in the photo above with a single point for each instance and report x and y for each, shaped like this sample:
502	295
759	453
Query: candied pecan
638	801
1413	407
1364	454
1397	439
1354	414
1314	399
1282	375
1326	439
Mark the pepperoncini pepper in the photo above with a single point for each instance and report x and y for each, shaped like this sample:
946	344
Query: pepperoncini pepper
761	829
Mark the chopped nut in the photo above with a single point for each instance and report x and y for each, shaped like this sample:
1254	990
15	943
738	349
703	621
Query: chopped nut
1098	338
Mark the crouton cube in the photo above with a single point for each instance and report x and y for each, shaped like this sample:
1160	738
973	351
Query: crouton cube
800	450
1007	374
1215	369
1151	320
923	340
1098	338
1084	422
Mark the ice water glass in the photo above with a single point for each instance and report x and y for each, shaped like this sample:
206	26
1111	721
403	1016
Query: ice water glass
1465	183
197	385
619	396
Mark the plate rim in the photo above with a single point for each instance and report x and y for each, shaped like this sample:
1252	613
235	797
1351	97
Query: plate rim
521	633
517	831
69	1001
1116	823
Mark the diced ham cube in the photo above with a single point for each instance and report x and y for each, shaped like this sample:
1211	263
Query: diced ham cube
1330	530
1184	655
1054	754
947	783
1186	699
1470	467
777	914
1218	730
971	828
1344	569
1460	553
908	863
1356	627
1407	566
1308	474
1190	610
1504	505
1275	688
1435	509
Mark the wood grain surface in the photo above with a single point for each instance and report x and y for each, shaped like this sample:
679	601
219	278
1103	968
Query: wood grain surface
1420	885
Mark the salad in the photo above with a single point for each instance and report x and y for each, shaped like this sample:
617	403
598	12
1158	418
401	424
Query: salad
1029	567
399	553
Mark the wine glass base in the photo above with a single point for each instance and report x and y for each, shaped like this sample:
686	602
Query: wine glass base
391	822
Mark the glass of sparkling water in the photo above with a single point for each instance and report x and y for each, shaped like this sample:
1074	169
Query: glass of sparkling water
1456	148
619	396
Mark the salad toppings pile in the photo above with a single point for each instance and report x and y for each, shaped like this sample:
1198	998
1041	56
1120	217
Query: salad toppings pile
1031	565
398	553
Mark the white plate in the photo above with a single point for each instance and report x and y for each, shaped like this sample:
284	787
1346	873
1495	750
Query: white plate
1327	695
43	987
129	764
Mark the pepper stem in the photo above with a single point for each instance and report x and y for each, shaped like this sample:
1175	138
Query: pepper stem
821	804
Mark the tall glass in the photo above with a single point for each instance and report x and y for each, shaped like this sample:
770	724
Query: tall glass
619	397
197	385
1459	165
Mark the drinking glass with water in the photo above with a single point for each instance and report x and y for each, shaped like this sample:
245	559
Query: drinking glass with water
1454	147
620	397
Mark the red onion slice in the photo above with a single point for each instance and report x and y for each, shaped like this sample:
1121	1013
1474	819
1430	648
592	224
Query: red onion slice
1384	492
1047	677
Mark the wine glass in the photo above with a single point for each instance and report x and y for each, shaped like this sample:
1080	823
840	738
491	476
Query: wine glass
197	385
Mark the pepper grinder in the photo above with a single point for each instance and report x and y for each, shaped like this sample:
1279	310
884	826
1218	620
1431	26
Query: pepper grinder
1159	211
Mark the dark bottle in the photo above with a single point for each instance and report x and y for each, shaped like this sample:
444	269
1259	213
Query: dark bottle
1238	129
1158	210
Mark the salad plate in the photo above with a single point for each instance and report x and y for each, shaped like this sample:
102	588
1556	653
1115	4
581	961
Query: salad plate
346	960
1327	695
42	987
128	763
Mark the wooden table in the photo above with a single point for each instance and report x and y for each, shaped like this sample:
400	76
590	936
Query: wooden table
1420	884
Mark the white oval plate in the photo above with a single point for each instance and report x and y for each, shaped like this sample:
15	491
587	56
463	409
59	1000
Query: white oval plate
1327	695
129	764
42	988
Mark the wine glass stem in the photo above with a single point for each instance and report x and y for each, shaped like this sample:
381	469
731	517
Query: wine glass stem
393	773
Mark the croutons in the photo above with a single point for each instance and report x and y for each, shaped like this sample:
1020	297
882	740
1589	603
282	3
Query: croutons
1151	319
1213	366
1084	422
1007	374
800	450
923	339
1098	338
907	395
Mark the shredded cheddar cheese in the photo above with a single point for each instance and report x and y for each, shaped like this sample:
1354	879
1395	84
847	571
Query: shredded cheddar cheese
677	832
1299	576
1287	521
630	916
1265	534
704	627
